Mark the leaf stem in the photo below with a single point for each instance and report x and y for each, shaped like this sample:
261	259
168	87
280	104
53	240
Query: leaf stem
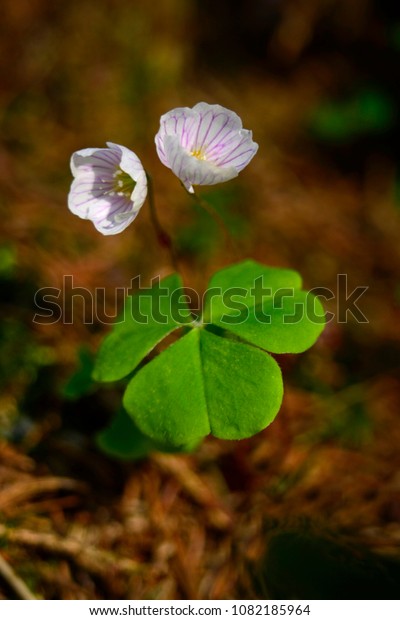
163	238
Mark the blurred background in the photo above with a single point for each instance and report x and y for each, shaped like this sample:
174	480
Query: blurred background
311	506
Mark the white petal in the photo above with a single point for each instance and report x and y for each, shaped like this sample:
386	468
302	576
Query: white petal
92	195
237	150
94	162
85	200
79	158
213	124
113	225
139	193
193	171
129	162
204	145
216	109
177	122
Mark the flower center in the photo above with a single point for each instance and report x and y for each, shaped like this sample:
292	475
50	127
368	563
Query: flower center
123	183
198	154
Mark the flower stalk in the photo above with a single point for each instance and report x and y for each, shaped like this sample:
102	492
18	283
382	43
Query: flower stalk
204	145
163	237
218	219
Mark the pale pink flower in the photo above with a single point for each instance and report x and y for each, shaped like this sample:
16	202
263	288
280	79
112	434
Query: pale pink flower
204	145
109	187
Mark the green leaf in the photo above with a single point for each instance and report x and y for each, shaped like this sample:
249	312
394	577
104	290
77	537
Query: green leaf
80	382
216	378
123	440
148	317
166	397
286	323
243	387
244	284
204	383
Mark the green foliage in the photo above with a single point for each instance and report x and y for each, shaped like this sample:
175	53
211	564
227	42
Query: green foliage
8	260
215	378
20	356
348	424
366	112
245	279
202	384
81	381
200	238
290	323
124	440
148	317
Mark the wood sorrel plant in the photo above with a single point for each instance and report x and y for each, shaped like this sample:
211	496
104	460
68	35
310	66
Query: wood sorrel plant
219	376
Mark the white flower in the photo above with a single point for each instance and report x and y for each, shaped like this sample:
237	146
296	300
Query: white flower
109	187
204	145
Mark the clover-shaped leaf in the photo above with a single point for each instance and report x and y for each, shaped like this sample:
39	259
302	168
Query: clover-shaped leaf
218	377
123	440
265	307
147	318
249	283
205	384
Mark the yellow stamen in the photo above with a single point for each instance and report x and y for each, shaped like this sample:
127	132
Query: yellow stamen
123	184
199	154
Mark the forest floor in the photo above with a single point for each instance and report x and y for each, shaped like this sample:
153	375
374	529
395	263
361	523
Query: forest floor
79	524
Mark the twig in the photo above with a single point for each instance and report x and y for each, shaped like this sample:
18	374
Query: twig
96	561
20	492
195	487
20	588
9	457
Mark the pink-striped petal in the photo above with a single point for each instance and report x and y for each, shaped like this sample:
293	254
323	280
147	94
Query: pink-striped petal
192	171
204	145
109	187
